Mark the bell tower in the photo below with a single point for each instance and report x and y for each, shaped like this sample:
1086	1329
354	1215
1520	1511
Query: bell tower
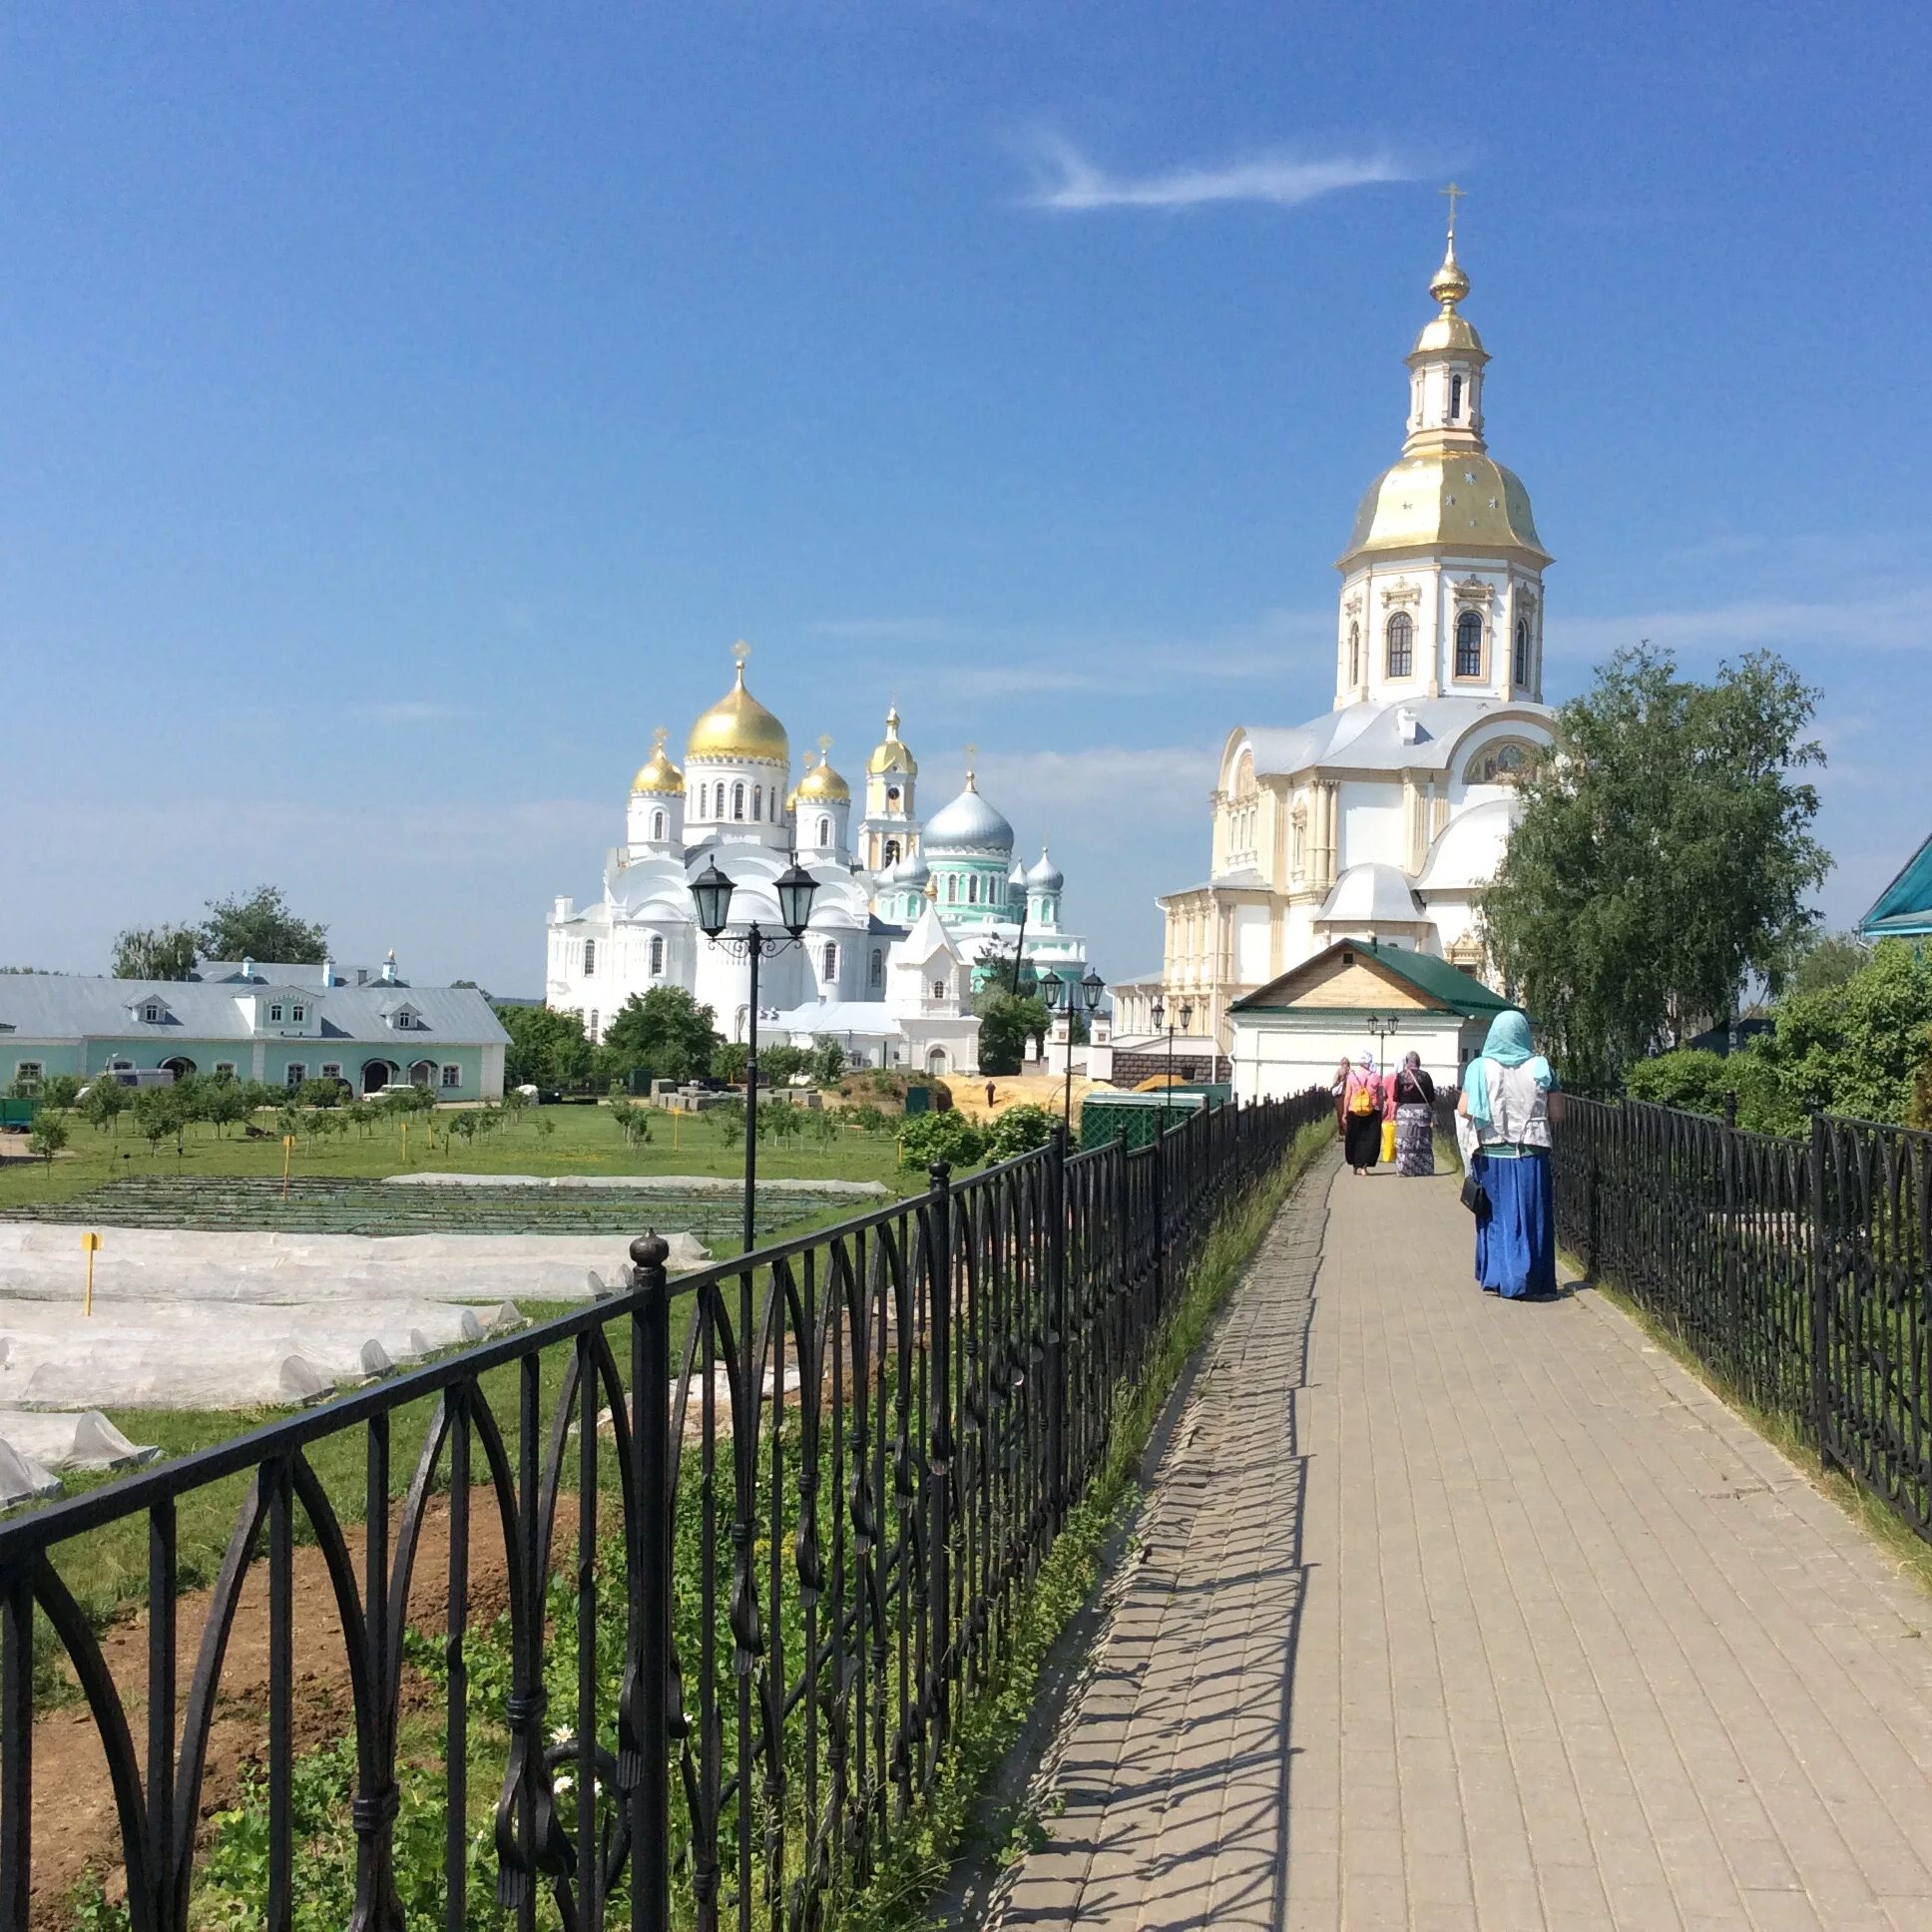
889	830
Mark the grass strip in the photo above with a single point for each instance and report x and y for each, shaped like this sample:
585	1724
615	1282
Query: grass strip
923	1854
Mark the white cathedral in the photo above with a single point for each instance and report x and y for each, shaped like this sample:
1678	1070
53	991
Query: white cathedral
908	916
1384	817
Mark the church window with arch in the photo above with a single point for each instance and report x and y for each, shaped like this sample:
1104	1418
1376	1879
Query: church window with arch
657	953
825	831
1401	645
589	957
892	851
1522	650
829	959
757	801
657	822
876	969
737	801
1354	653
972	889
1455	398
952	888
1469	645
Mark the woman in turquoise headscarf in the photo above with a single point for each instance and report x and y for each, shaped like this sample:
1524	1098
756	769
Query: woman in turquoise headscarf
1507	1095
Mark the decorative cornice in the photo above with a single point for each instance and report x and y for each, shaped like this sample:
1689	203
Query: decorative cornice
1472	590
1403	590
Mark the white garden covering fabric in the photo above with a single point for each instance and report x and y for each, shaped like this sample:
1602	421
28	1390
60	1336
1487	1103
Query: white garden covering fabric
22	1479
86	1440
219	1355
43	1260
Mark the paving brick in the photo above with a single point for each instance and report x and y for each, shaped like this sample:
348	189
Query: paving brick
1563	1644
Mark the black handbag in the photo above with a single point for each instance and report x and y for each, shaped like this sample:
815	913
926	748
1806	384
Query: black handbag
1475	1197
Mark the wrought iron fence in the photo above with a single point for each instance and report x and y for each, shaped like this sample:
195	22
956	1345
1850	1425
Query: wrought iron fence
714	1696
1796	1269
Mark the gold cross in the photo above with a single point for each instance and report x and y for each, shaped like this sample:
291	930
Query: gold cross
972	752
658	737
824	743
1455	195
740	651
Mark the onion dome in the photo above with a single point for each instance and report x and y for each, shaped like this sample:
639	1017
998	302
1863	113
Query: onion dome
1447	329
1462	497
968	824
1044	875
912	870
821	786
658	774
889	755
737	727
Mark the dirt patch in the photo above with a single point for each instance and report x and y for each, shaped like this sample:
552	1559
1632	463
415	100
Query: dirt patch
75	1824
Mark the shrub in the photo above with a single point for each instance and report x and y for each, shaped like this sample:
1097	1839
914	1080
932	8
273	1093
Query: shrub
321	1091
940	1137
106	1102
869	1119
59	1090
1019	1131
47	1136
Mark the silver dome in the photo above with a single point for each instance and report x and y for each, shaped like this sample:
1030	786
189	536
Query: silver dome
912	870
968	824
1046	876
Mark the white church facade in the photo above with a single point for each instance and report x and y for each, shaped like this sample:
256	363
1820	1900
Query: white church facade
1386	817
909	915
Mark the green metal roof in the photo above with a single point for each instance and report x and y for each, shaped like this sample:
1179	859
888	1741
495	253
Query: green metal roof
1904	908
1436	979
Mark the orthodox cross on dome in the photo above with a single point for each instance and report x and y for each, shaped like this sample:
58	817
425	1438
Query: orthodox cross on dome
972	755
1455	195
740	651
825	746
658	735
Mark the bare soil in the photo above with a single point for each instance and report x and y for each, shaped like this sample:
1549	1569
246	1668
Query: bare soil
75	1825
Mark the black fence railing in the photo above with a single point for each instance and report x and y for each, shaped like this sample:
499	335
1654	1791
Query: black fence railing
1799	1272
705	1613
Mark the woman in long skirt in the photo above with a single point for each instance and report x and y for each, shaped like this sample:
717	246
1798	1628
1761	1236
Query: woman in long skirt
1508	1095
1412	1107
1361	1111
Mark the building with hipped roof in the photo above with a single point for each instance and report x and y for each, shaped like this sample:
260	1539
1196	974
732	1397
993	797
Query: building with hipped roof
909	915
1384	818
278	1023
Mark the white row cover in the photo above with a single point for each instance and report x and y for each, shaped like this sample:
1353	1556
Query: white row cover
83	1440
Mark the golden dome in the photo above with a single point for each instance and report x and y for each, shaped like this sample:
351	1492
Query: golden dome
739	728
821	784
656	772
1457	497
889	755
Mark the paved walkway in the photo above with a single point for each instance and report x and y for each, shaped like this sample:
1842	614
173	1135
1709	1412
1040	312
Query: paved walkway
1490	1619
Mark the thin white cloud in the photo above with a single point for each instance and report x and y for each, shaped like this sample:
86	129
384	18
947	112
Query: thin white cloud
1064	179
408	712
1890	620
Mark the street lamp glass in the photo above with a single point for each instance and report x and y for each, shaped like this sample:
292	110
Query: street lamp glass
797	891
1091	988
1186	1017
1159	1010
1051	989
711	893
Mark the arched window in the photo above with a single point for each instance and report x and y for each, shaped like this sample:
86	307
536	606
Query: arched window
737	801
657	953
1455	398
757	801
877	970
1522	650
892	851
1401	645
1354	653
589	957
1469	645
825	831
952	888
1504	763
828	960
939	989
656	824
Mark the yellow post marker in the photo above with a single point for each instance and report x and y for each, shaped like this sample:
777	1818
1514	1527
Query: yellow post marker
676	1130
287	1156
92	1244
405	1144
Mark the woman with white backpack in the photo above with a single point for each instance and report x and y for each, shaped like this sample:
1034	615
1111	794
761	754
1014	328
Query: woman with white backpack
1509	1095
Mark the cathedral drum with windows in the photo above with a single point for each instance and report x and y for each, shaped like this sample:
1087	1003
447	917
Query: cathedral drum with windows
1386	817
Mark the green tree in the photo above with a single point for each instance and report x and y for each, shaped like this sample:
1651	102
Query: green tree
260	927
940	1137
665	1030
47	1136
1828	959
729	1059
105	1102
1854	1049
59	1090
1020	1130
1006	1025
781	1064
828	1060
546	1049
156	952
1662	860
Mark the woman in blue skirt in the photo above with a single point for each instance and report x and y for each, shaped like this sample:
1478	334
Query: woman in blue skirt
1507	1095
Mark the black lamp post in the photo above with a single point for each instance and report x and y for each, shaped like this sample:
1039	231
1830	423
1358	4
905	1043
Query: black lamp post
1057	993
1382	1026
1185	1015
712	893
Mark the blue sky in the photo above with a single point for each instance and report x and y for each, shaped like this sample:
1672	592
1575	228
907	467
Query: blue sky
403	409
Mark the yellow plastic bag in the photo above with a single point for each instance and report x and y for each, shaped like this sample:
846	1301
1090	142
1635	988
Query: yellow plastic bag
1389	1139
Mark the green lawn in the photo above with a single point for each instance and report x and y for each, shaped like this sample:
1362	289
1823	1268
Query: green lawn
544	1141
